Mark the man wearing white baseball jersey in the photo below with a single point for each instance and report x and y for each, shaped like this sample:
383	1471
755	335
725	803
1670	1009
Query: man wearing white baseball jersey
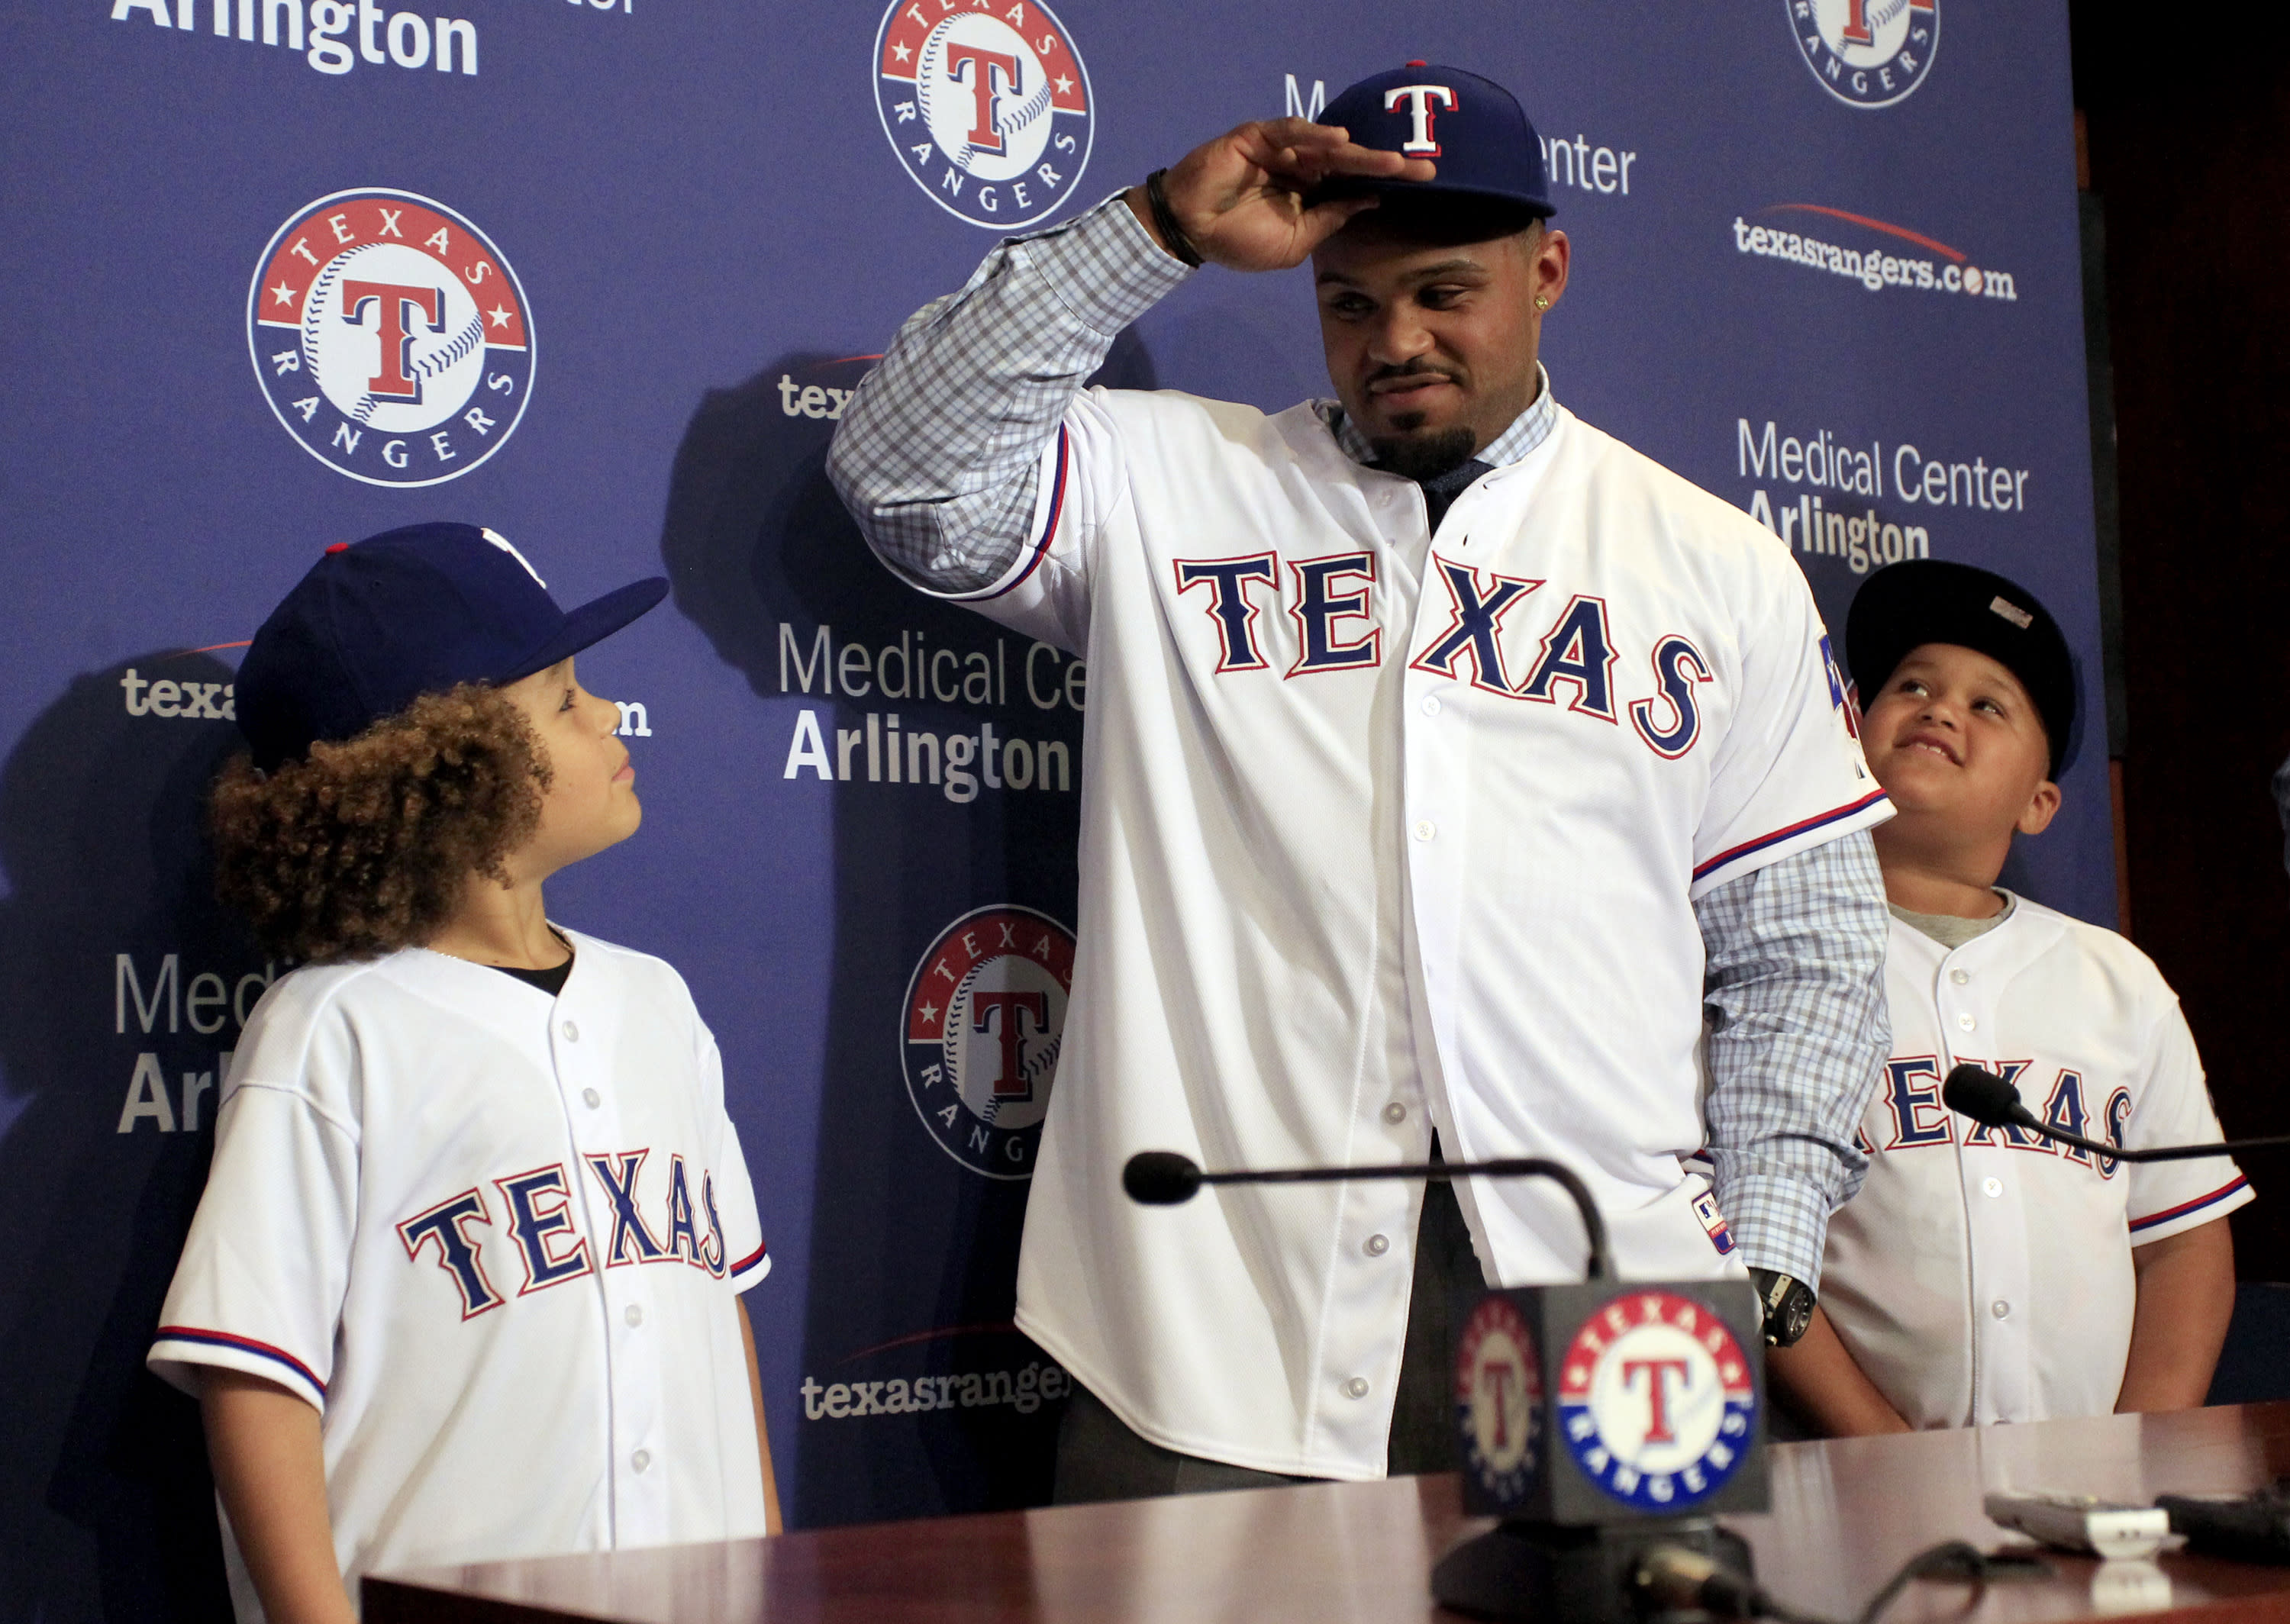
410	1303
1986	1275
1446	760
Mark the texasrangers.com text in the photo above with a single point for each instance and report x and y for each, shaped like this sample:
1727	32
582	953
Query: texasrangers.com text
1024	1390
1872	270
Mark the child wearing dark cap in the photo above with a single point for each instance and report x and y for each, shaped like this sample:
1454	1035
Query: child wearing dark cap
464	1282
1984	1275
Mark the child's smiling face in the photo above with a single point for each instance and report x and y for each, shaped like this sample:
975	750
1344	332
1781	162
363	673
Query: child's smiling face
1953	735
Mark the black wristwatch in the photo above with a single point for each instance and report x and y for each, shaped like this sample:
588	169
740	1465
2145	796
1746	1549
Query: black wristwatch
1786	1303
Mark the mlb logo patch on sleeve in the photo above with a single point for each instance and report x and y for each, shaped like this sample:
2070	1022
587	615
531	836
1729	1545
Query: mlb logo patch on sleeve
1721	1236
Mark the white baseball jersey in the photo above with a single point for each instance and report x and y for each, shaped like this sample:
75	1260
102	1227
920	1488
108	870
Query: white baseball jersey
1985	1275
496	1240
1377	835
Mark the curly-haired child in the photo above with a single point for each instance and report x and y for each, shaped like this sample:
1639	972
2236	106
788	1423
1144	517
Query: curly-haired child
407	1303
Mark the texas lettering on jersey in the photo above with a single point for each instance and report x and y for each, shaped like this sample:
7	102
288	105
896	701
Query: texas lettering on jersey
537	1216
1484	642
1909	1103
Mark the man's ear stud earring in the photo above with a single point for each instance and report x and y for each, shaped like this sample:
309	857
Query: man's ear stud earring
1542	301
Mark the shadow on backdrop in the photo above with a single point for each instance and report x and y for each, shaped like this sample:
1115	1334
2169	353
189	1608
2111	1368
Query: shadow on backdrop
106	1508
914	1265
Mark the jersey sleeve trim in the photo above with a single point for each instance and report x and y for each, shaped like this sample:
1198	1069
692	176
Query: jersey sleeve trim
198	1338
1803	826
2185	1208
1053	506
752	1267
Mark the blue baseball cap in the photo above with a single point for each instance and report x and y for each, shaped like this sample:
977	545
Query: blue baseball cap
1472	129
378	623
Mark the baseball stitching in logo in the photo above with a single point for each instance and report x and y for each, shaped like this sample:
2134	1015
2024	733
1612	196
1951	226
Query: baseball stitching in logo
391	337
988	109
984	1014
1867	54
1656	1402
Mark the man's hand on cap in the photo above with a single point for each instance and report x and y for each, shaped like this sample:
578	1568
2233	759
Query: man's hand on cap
1239	199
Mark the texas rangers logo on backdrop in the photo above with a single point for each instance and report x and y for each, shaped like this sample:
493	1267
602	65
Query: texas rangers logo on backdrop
392	337
1867	54
1655	1400
1499	1401
987	104
984	1013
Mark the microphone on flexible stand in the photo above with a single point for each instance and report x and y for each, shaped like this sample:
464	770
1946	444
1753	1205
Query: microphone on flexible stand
1605	1422
1979	1093
1164	1179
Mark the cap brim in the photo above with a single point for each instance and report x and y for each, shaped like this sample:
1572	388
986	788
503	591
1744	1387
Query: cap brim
1368	186
592	623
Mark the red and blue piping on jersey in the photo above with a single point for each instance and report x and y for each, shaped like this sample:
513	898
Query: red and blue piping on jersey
242	1344
763	1249
1049	525
2185	1207
1803	826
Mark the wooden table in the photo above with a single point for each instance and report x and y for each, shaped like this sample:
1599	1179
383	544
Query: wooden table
1846	1514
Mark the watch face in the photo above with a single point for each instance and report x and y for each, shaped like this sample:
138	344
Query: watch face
1796	1314
1789	1311
1787	1305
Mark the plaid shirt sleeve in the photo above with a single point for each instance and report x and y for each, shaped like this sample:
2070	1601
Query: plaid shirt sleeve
938	455
1798	1032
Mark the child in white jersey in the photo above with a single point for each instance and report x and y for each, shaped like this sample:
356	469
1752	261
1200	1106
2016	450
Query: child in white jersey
1987	1275
402	1304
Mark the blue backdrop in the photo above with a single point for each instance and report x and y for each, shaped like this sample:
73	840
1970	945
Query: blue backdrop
599	276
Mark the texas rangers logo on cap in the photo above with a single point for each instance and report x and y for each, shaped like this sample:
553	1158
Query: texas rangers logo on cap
988	105
1656	1402
984	1014
1867	54
392	337
1499	1401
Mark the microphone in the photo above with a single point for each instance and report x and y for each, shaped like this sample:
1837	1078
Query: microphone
1975	1091
1571	1409
1166	1178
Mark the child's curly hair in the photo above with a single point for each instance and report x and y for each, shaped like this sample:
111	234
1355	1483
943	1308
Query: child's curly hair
367	847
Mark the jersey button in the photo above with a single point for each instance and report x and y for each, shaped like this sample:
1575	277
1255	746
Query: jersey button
641	1459
1958	977
1992	1187
1431	705
1395	1113
2000	1309
1357	1387
634	1315
590	1097
571	1033
1967	1022
1376	1246
1425	830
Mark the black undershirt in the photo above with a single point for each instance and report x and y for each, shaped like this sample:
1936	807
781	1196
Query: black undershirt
550	981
